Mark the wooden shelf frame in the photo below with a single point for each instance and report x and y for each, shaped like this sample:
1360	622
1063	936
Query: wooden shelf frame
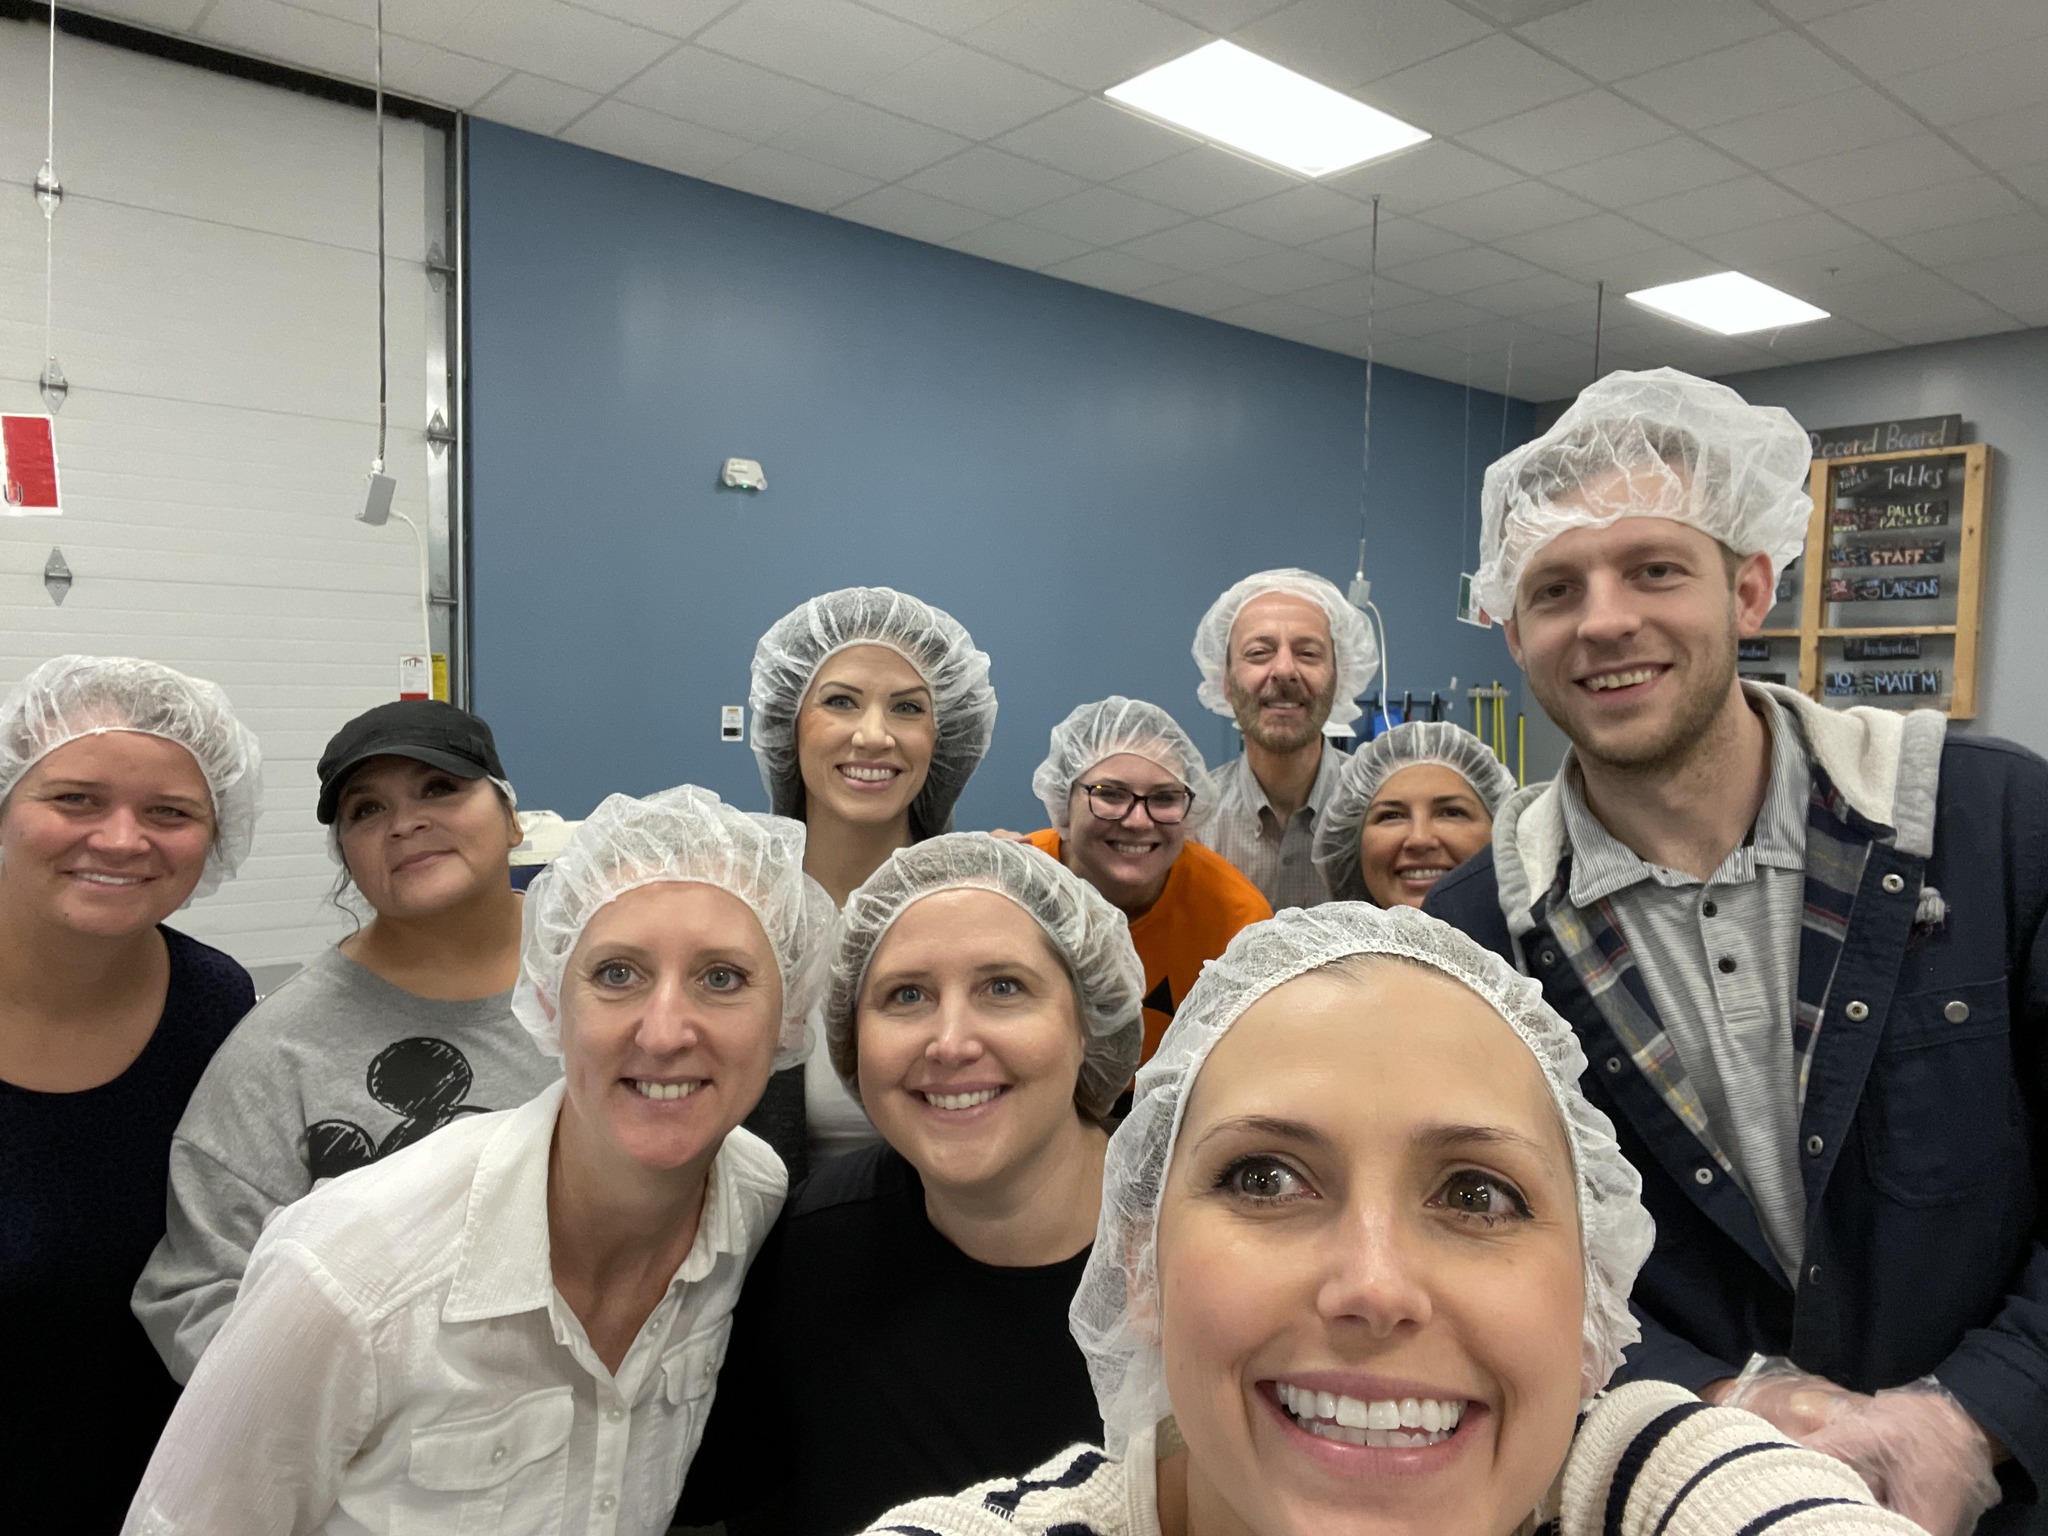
1968	628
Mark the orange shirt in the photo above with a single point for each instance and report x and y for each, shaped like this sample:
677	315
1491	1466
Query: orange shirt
1205	902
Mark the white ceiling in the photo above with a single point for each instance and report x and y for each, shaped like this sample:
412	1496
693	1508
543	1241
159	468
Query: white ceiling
1884	159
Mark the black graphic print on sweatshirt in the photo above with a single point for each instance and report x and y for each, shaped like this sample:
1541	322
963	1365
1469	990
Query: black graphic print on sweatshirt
422	1080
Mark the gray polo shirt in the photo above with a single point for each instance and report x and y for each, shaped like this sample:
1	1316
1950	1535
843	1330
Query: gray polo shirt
1246	830
1721	963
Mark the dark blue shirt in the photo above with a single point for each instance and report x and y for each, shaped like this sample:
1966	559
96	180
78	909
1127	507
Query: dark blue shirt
83	1395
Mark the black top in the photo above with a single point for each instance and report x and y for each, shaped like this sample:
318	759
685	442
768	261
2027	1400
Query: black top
873	1362
83	1395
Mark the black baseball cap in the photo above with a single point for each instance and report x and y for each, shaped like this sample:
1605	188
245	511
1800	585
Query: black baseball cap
425	730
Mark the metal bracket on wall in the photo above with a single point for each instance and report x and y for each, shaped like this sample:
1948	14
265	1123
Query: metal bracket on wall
440	436
440	271
57	577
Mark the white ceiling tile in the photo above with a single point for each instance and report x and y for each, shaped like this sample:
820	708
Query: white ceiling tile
1907	301
1118	271
672	18
164	15
1220	15
1589	126
1803	234
1344	43
427	73
869	142
1019	245
1103	216
1833	337
1199	293
2005	139
1945	204
347	51
956	88
1771	71
1527	295
1481	82
1299	215
2016	282
951	17
904	212
1642	175
2012	234
1834	181
1285	272
704	87
1273	314
1724	206
1610	39
1357	297
1095	139
1897	37
1582	244
1205	180
1957	92
1805	130
426	21
994	182
770	172
1399	240
537	105
1626	271
1090	44
1426	176
1816	275
634	133
1510	210
1809	10
2030	181
833	43
1476	266
545	37
1428	317
1200	246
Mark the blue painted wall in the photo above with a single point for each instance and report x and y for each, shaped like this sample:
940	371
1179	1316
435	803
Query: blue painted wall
1073	474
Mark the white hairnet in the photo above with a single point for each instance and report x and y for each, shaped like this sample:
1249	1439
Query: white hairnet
72	696
1354	649
684	835
1090	936
1119	1291
1692	451
1094	733
788	657
1365	774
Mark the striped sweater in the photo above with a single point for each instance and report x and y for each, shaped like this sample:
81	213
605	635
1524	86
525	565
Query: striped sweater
1650	1459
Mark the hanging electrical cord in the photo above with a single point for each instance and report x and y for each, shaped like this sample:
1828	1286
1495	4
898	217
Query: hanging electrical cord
50	193
1599	311
1361	589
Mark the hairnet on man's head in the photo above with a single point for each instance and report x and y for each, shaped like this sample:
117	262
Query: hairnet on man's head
684	835
1365	774
786	663
1655	444
72	696
1094	733
1114	1313
1354	650
1090	936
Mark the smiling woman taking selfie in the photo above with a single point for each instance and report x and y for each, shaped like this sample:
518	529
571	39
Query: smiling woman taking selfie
516	1325
905	1328
871	712
1365	1250
400	1029
127	790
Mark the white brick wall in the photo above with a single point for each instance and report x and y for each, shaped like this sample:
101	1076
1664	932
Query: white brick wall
216	316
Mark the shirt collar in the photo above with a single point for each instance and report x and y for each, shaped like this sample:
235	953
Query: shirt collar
504	1265
1603	865
1329	769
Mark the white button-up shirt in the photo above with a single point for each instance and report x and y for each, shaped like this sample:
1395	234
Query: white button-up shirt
400	1362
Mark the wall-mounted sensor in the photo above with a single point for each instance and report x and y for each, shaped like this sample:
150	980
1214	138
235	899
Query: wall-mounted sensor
732	722
744	475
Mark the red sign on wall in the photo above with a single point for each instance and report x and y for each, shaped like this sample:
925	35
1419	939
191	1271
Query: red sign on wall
28	467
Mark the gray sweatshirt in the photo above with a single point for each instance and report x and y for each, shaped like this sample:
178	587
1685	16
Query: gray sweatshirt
330	1072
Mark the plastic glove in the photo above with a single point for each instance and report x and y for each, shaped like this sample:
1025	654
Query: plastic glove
1798	1403
1920	1452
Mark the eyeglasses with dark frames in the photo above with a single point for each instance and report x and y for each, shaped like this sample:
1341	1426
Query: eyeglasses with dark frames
1114	802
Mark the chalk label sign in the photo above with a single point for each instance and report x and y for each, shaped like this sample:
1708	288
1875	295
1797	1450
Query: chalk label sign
1901	436
1910	682
1882	648
1892	516
1752	650
1882	589
1860	479
1933	552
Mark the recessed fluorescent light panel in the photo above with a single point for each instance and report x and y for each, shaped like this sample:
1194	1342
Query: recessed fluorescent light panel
1728	303
1223	93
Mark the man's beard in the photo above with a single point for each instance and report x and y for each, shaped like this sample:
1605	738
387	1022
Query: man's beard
1246	707
1691	720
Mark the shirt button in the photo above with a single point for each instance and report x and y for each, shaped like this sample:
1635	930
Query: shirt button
607	1504
1703	1175
615	1414
1727	964
1857	1011
1708	909
1548	957
1893	883
1815	1146
1956	1012
1614	1064
1813	1275
498	1453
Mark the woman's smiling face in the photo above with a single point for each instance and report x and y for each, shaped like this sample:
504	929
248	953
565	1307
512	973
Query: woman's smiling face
1371	1285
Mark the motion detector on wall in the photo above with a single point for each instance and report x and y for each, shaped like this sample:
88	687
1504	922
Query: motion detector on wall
744	475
